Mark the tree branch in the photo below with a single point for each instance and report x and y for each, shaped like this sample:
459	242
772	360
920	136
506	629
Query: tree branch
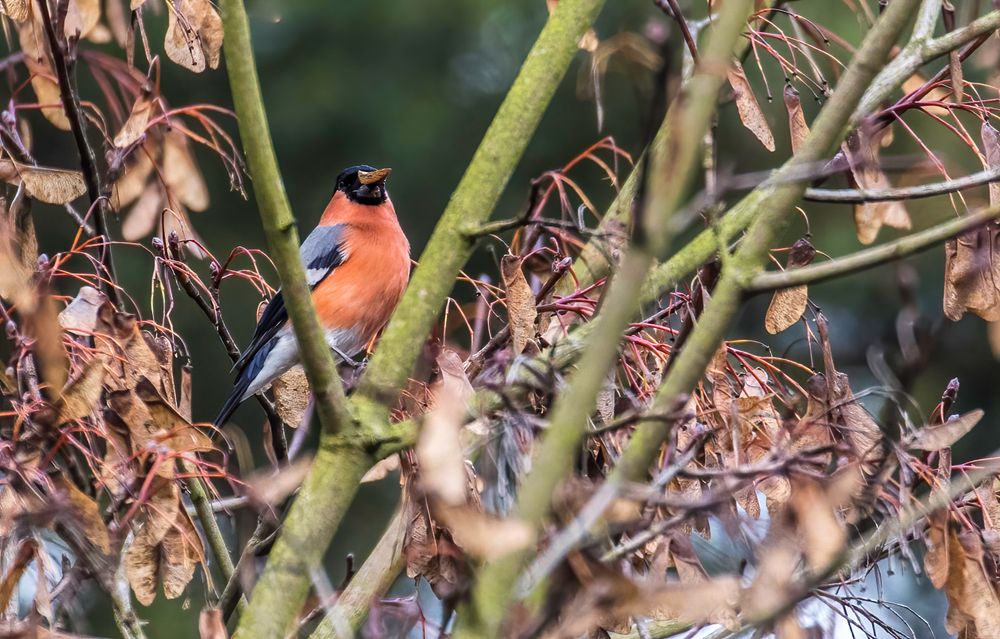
872	257
71	105
857	196
771	204
344	458
471	204
671	171
314	516
369	584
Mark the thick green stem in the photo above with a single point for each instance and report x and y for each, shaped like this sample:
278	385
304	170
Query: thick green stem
203	507
305	535
471	204
771	205
875	256
277	219
671	170
342	460
370	584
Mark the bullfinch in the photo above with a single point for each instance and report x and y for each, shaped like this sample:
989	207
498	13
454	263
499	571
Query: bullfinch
357	263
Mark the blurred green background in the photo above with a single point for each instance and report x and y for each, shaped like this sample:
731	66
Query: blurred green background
413	85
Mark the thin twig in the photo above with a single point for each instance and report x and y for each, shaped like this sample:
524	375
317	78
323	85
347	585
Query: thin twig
875	256
71	105
671	8
856	196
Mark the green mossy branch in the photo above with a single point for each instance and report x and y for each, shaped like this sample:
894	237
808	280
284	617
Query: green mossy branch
368	585
672	166
344	457
277	219
471	204
283	587
770	205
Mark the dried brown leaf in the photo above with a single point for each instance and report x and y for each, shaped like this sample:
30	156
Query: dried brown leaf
141	563
80	315
769	592
31	36
142	217
862	152
788	305
482	535
520	303
936	558
135	126
79	398
52	186
972	274
87	514
381	469
194	34
439	452
291	396
184	401
714	600
973	606
430	551
181	173
16	10
991	146
798	129
786	308
270	488
171	559
49	96
177	433
454	383
133	181
936	437
180	553
81	18
118	21
751	115
821	533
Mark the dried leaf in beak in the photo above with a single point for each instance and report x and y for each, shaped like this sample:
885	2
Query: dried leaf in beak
373	177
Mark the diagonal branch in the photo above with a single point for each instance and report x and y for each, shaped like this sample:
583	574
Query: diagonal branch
370	584
875	256
345	456
471	204
857	196
671	170
771	204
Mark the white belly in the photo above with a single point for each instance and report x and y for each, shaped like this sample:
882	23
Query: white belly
285	355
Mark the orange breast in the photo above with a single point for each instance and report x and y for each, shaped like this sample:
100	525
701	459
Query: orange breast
362	292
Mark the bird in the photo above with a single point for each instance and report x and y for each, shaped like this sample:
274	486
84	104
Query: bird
357	263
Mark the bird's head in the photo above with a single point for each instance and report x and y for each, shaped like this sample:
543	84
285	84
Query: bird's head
364	184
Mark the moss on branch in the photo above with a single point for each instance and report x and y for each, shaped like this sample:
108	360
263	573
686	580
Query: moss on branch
471	204
769	207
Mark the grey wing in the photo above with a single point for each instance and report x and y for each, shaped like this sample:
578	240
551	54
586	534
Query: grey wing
322	251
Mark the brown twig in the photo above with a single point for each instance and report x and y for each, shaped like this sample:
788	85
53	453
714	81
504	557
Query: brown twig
673	10
64	64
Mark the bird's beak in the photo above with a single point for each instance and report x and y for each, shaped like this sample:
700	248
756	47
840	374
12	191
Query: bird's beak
373	177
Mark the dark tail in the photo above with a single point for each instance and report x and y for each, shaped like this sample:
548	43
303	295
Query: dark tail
249	369
233	401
